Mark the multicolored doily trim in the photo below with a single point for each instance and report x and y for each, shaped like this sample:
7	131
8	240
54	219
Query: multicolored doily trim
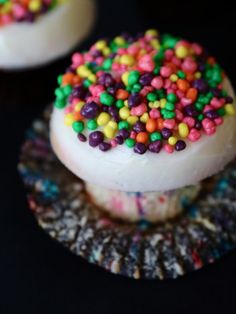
151	92
204	233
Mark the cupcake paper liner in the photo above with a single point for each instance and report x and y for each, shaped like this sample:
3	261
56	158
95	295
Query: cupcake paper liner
201	235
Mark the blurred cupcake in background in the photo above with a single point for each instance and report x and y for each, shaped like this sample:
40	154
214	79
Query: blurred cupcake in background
33	34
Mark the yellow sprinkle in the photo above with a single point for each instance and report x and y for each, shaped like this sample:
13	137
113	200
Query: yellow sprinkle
181	52
83	71
69	119
103	118
155	44
35	5
113	125
119	41
144	117
151	104
127	60
173	77
124	78
101	44
156	104
106	51
126	103
132	120
172	140
163	103
142	52
6	8
230	110
183	129
109	131
92	77
124	113
198	75
79	106
151	32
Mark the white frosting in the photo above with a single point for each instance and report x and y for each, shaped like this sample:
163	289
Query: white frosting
122	169
53	35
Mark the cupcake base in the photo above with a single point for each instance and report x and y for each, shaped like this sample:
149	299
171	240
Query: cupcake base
201	235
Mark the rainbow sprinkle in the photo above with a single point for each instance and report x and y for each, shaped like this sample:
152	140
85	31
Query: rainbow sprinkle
150	92
24	10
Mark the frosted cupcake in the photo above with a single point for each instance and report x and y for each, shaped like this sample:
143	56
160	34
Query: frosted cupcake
143	121
34	33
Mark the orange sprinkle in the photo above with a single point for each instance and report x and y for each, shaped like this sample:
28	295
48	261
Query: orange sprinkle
78	116
192	94
67	79
151	125
160	122
142	137
183	85
122	94
76	80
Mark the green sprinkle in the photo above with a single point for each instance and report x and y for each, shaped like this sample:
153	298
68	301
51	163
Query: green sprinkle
120	103
60	103
172	97
78	126
200	117
151	97
221	112
87	83
130	142
169	106
107	64
136	88
169	115
156	70
67	90
155	136
59	79
181	74
59	93
123	125
106	99
92	124
133	77
159	56
199	106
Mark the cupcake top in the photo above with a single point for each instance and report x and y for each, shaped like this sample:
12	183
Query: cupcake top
12	11
150	92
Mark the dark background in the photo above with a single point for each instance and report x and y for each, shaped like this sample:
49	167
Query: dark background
37	275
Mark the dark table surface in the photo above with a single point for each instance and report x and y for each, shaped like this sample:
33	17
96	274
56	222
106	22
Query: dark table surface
38	275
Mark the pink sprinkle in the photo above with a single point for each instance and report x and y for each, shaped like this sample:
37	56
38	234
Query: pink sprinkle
115	66
207	108
210	131
169	123
216	103
96	90
168	148
169	54
157	82
100	73
179	115
113	143
133	49
179	93
166	71
99	60
219	121
167	83
121	51
186	101
146	63
6	19
93	98
189	121
75	101
176	61
77	59
222	100
174	86
146	90
189	65
154	113
194	135
19	11
209	126
69	109
197	49
170	90
133	135
139	110
179	106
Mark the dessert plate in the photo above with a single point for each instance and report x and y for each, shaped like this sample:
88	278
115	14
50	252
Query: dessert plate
201	235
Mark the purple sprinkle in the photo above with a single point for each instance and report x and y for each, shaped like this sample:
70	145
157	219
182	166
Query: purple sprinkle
124	133
211	114
229	99
134	100
140	148
111	90
216	92
90	110
198	125
119	139
190	111
104	146
166	133
82	137
139	127
201	85
95	138
155	146
146	79
106	79
114	112
180	145
78	91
